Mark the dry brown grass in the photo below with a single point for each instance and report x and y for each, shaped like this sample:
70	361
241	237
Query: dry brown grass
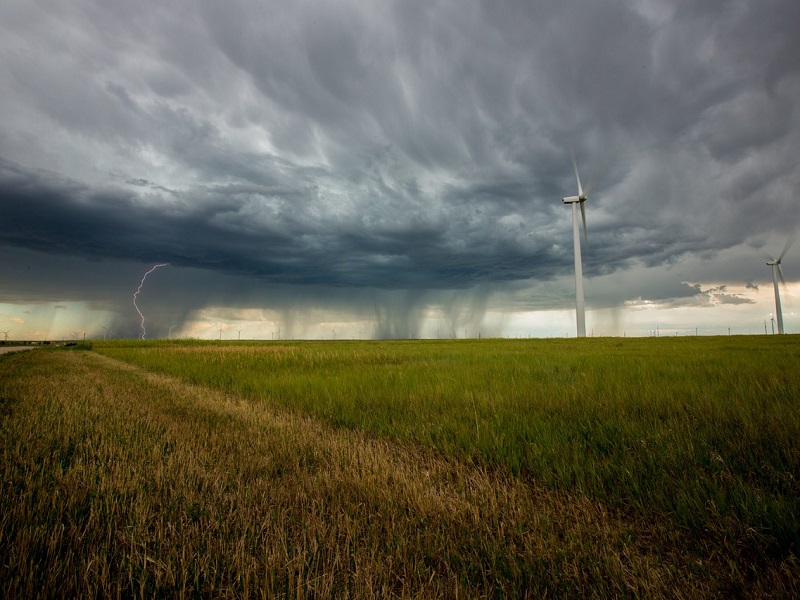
118	482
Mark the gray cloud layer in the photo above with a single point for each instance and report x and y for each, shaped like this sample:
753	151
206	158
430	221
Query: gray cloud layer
405	145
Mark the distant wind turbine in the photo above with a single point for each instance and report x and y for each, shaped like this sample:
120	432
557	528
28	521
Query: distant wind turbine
580	305
775	263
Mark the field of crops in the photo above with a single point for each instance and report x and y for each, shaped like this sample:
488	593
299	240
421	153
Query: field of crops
645	467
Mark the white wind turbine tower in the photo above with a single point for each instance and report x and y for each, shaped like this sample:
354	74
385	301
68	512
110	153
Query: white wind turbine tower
775	263
580	306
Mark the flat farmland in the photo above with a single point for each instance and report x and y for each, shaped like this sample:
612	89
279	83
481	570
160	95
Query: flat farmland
607	467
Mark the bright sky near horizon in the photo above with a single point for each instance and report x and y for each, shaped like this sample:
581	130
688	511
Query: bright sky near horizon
352	169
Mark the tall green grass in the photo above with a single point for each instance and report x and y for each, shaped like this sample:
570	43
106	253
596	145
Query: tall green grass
704	430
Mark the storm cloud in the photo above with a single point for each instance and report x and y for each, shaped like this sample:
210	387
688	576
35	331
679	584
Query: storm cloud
390	157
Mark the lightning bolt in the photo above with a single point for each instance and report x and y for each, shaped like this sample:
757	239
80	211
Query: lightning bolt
139	289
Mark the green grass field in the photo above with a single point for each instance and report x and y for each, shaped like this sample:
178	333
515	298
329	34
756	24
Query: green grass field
646	467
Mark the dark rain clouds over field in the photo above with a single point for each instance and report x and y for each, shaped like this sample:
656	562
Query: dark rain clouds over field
376	158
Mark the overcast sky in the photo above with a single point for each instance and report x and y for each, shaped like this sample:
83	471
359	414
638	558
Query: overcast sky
395	168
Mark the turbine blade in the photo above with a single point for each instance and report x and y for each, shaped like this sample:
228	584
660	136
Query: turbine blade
592	179
787	298
583	216
780	275
788	244
577	177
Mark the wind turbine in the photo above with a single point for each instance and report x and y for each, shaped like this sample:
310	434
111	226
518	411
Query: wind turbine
775	263
580	306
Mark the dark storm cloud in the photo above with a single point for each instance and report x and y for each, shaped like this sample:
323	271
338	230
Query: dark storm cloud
408	145
269	233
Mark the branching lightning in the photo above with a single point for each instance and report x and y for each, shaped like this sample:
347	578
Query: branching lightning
139	289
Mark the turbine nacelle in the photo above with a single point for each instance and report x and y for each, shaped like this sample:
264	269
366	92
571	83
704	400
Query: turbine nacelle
572	199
